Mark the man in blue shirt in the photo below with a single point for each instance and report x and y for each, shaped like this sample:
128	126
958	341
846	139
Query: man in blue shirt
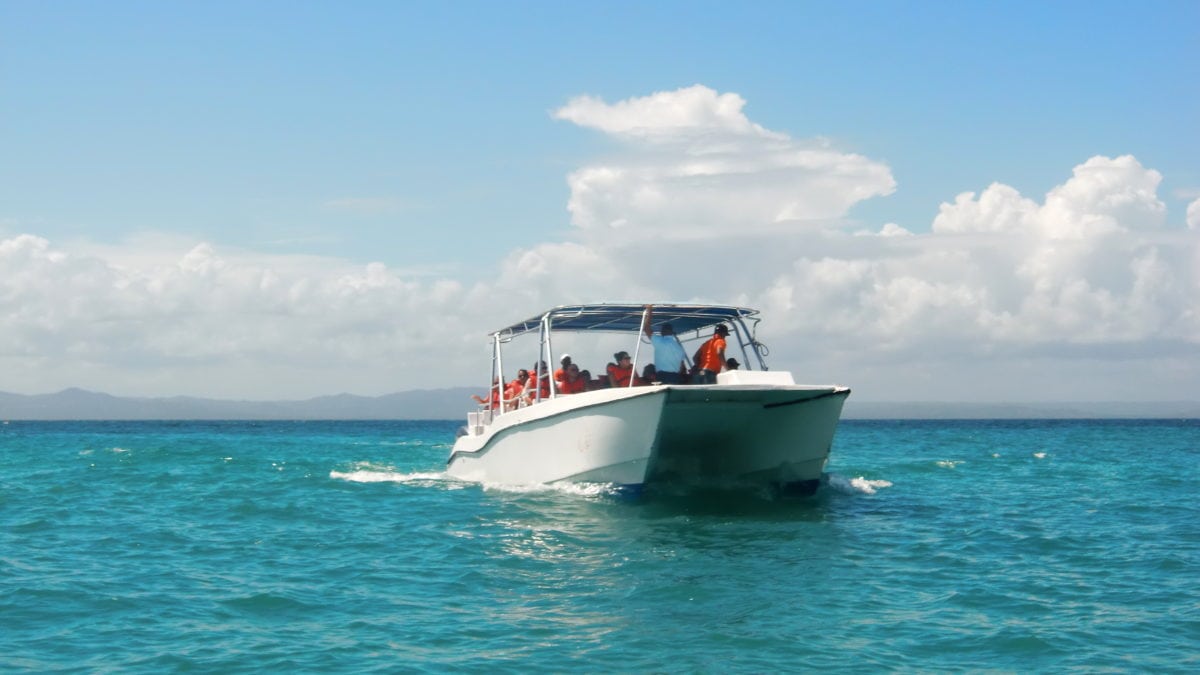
669	358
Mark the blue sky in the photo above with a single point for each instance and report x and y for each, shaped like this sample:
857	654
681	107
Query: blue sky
426	137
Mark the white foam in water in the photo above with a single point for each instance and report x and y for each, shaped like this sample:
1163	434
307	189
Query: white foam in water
415	443
857	485
384	476
1040	455
948	464
365	472
576	489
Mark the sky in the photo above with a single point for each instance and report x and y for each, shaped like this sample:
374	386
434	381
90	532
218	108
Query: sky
938	201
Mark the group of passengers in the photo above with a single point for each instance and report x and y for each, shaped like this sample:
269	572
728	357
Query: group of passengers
669	367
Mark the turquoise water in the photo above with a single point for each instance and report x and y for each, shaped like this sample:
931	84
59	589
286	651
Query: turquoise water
934	546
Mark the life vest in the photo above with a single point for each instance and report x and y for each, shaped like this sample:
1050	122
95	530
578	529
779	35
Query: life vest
620	375
708	356
531	386
512	391
569	387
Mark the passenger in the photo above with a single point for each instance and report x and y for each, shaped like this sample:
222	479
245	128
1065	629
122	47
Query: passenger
533	389
710	357
512	391
670	361
593	383
493	397
621	372
572	383
732	364
648	377
560	374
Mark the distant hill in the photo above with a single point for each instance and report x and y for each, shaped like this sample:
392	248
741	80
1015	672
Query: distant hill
80	404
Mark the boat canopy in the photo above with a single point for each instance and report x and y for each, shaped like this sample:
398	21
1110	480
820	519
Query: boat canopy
625	318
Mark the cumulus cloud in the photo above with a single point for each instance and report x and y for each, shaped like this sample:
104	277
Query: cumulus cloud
1104	195
1089	270
204	319
1005	293
695	167
888	230
668	116
1091	265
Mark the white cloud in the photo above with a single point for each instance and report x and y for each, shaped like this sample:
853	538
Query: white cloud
893	230
999	208
229	326
1104	195
695	168
1091	266
1001	275
668	116
1006	296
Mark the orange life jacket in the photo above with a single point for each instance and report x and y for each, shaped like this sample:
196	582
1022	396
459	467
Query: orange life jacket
709	356
569	387
620	375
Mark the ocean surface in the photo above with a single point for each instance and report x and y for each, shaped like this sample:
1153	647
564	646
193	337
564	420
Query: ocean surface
340	547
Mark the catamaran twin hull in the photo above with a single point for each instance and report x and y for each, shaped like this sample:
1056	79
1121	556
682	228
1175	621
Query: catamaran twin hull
724	434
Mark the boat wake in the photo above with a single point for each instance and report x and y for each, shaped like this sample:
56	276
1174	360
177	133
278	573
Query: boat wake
573	489
366	472
856	485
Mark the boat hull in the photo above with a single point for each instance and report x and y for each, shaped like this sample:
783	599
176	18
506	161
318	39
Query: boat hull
717	435
746	435
603	436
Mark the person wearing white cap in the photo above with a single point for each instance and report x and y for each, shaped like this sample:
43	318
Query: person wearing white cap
561	373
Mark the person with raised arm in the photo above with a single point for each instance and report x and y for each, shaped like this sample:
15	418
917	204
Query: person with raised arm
670	361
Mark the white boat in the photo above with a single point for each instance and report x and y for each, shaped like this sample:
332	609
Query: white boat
753	426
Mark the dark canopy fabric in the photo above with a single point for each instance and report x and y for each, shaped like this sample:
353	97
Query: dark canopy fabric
623	318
